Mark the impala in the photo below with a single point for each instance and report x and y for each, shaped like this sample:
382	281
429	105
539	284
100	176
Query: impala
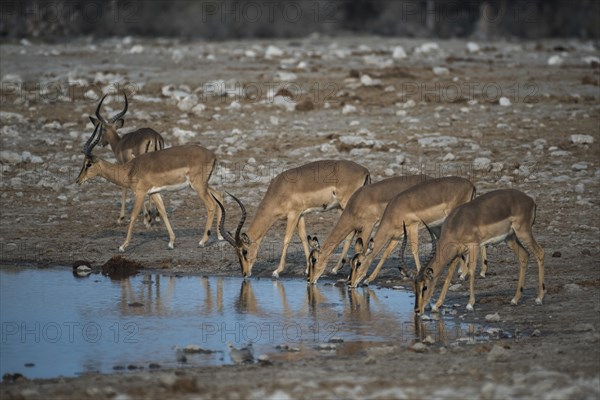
320	185
362	213
501	215
427	203
150	173
128	146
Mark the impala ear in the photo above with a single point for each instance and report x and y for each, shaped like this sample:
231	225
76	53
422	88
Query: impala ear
358	246
245	239
429	274
119	123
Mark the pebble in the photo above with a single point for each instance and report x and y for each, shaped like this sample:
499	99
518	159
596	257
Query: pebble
348	109
492	317
455	288
472	47
366	80
556	254
536	333
449	157
326	347
504	101
426	48
573	288
399	53
336	339
428	340
388	172
580	166
583	327
498	354
482	164
582	139
273	51
556	60
419	348
438	141
441	71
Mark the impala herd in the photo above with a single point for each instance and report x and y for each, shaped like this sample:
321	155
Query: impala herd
459	223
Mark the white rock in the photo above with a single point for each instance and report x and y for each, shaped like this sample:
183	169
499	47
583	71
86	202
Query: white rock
482	164
285	76
137	49
273	51
455	288
388	172
348	108
426	48
12	79
10	116
492	317
472	47
187	103
498	354
274	120
441	71
580	188
198	109
286	102
580	166
183	135
177	56
328	148
591	59
419	348
10	157
438	141
449	157
556	60
582	139
250	53
410	103
234	106
366	80
380	62
504	101
399	53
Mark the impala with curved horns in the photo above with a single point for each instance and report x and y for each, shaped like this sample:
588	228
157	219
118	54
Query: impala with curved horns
501	215
320	185
126	147
427	203
174	168
362	213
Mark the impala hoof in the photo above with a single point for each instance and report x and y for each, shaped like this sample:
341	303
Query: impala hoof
469	307
122	249
538	301
275	274
514	302
171	246
434	309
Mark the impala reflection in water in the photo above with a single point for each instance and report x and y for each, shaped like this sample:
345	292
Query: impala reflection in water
67	326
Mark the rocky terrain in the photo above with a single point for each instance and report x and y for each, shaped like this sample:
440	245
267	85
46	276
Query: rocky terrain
503	114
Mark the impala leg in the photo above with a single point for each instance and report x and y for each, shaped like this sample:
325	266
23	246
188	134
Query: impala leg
123	200
340	264
137	207
292	222
473	254
484	262
219	197
388	250
302	233
162	211
525	235
463	270
446	285
211	206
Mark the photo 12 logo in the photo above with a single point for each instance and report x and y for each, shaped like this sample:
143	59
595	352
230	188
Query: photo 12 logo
68	332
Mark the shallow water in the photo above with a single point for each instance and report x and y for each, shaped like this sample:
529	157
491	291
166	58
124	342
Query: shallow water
68	326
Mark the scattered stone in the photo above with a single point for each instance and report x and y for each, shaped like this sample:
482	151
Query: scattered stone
580	166
335	339
482	164
388	172
492	317
327	347
366	80
573	288
381	351
135	304
556	60
449	157
498	354
10	157
198	109
536	333
583	327
438	141
427	48
472	47
504	101
285	76
264	360
154	366
348	109
557	254
29	365
582	139
455	288
370	360
586	252
137	49
167	380
288	348
195	349
441	71
419	348
580	188
187	103
118	368
273	51
428	340
398	53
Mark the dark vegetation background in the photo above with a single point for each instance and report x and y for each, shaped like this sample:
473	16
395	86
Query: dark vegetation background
482	19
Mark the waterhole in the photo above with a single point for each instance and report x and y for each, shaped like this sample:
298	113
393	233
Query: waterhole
54	324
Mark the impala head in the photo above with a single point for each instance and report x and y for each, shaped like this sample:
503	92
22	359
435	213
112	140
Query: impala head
90	167
361	254
313	258
424	282
245	249
112	124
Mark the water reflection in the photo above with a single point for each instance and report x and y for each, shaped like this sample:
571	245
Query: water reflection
138	320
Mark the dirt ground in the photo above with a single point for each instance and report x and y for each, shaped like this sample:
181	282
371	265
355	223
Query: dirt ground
354	100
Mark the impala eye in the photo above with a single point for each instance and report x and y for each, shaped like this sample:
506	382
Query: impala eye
88	165
244	252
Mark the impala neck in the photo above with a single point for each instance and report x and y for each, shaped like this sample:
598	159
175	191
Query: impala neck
112	138
261	223
115	173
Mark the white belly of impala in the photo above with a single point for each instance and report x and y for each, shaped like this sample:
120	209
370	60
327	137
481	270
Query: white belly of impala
171	188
